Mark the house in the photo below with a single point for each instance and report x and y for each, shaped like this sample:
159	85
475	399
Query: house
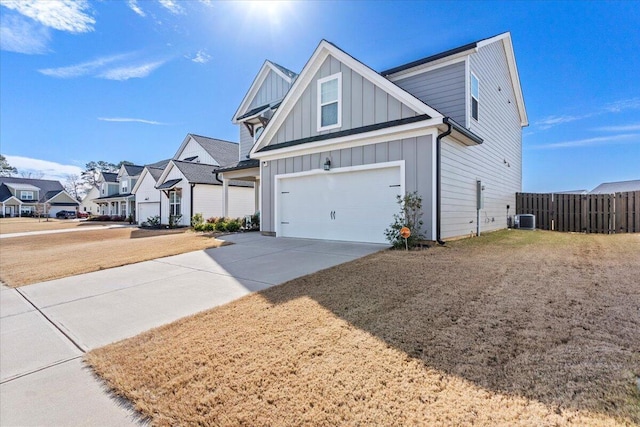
87	204
146	195
333	155
116	197
616	187
189	183
27	197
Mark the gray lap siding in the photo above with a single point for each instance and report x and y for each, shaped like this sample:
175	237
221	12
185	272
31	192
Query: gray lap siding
417	154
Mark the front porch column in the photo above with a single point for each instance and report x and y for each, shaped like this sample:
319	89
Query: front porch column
225	197
256	195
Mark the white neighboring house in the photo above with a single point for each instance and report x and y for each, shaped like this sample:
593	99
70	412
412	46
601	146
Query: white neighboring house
116	198
146	195
87	205
189	184
27	197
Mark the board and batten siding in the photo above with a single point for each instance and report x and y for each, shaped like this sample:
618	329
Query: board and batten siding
419	174
246	142
272	89
185	203
499	126
194	149
363	103
442	89
207	200
146	193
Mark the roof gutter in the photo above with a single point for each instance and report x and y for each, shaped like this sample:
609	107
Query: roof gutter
439	179
217	178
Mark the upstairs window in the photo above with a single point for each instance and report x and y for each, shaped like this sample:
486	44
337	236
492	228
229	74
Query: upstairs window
475	96
26	195
124	187
330	102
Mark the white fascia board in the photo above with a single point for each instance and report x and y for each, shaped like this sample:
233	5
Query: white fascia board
410	130
144	173
16	199
165	172
255	86
182	146
513	72
430	66
323	50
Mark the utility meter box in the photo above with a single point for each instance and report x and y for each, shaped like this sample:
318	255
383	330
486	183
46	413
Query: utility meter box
479	195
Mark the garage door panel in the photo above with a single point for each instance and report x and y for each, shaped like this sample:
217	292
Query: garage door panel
354	205
146	210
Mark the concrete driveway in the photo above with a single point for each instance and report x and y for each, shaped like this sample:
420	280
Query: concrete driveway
46	328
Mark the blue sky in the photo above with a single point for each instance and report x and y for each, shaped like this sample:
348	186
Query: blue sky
127	80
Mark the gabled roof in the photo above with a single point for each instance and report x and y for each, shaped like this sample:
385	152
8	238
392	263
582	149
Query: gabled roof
44	185
110	176
155	173
323	50
196	173
466	50
133	170
286	74
617	187
161	164
222	151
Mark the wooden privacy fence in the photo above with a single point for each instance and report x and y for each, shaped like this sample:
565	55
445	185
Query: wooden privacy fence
589	213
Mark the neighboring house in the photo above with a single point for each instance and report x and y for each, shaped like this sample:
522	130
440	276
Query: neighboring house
115	194
617	187
271	84
146	195
27	197
88	205
189	184
346	141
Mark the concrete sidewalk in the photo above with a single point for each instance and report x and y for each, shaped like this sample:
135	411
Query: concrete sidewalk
46	327
64	230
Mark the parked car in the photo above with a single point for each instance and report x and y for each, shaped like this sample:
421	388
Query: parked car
66	214
83	214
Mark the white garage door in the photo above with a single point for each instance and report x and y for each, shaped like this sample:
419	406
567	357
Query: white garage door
146	210
352	204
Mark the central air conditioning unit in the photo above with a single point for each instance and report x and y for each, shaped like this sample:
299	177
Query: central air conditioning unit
525	222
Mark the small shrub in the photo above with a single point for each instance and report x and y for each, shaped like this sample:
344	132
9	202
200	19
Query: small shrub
410	216
233	225
208	227
174	220
212	220
197	220
153	221
116	218
220	225
130	219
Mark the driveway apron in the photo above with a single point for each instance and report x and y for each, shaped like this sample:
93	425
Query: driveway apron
46	328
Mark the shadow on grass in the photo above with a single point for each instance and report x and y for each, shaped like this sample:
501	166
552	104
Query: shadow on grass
558	324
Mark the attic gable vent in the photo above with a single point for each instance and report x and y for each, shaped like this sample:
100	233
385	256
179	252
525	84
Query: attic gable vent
191	159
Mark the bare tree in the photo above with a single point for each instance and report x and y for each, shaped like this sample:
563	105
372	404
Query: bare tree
74	185
31	174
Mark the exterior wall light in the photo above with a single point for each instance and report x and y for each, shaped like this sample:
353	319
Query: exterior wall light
327	164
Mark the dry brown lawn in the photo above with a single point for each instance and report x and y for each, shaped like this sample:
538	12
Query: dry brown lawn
21	225
31	259
512	328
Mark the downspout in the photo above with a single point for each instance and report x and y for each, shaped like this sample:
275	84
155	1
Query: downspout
439	180
191	203
218	179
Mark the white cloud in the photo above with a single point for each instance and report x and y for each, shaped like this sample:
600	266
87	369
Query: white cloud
624	104
130	72
612	107
172	6
63	15
550	121
130	120
51	170
620	128
590	142
84	68
133	5
20	35
202	57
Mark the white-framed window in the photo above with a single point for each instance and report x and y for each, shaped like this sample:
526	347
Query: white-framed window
475	96
26	210
257	132
124	186
123	209
26	195
174	202
330	102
